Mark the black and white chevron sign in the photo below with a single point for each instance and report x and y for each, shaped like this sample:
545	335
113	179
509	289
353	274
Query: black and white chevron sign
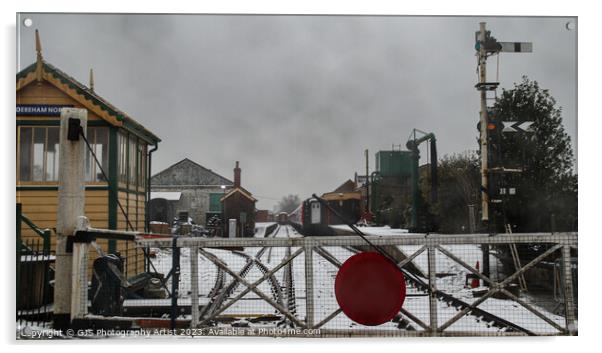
517	126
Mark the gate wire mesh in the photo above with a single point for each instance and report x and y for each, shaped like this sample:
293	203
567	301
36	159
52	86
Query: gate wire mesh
284	285
35	272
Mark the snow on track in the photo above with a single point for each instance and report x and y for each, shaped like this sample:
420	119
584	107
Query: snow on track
451	281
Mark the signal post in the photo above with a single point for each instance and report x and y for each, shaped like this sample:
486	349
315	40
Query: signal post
486	45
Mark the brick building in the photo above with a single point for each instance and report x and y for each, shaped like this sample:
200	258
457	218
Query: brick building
239	204
197	188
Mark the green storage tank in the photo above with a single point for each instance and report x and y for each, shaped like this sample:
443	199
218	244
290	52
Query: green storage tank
394	163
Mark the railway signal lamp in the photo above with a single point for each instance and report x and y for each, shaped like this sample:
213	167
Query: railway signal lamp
490	44
494	127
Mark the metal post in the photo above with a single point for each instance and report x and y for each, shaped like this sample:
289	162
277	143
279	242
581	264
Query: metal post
71	201
569	304
46	242
434	173
486	266
175	281
309	286
194	283
367	183
483	136
472	226
484	141
433	289
18	257
148	189
415	188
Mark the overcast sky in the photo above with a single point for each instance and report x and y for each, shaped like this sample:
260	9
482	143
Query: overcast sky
297	99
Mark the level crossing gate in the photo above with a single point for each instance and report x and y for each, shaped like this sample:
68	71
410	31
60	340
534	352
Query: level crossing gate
285	286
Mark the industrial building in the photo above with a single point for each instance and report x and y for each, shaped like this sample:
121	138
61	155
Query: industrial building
395	188
187	187
391	187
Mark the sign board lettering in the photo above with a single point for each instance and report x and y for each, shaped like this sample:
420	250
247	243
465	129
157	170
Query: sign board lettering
40	109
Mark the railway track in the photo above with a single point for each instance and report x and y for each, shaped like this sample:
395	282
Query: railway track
460	305
219	293
421	285
219	283
274	284
289	287
284	292
402	322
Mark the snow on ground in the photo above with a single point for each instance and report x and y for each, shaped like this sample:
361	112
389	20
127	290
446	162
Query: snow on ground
261	227
451	279
386	230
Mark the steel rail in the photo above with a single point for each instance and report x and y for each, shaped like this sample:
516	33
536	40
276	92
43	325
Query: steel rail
221	293
279	307
289	286
259	281
463	307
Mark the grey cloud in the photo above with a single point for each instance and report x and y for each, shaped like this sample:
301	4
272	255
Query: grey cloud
297	99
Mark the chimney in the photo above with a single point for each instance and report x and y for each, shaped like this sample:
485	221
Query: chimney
236	176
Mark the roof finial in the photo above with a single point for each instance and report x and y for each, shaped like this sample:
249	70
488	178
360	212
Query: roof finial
91	80
38	45
39	59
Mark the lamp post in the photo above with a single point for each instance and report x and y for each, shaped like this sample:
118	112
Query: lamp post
223	187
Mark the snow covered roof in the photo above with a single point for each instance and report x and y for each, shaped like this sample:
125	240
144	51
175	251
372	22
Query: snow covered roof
168	195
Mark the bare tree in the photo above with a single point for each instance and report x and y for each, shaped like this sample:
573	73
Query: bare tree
458	187
288	203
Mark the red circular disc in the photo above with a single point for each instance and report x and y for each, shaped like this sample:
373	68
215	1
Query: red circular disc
370	289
